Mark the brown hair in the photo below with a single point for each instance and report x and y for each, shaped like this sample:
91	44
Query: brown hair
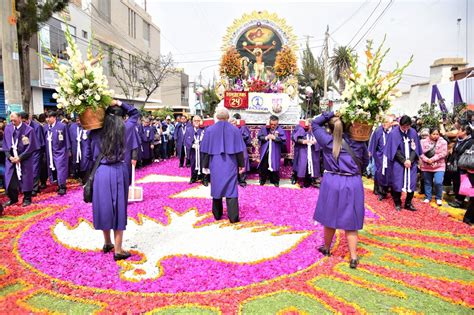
336	127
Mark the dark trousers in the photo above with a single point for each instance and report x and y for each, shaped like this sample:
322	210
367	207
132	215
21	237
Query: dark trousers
456	178
380	190
43	177
469	215
232	209
397	198
13	189
265	174
182	157
164	150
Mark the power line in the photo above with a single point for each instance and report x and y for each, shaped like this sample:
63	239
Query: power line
350	17
374	23
365	22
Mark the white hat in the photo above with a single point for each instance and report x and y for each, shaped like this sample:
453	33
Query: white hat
168	117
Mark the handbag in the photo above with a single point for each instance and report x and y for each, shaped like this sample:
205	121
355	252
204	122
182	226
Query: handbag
87	194
431	152
452	165
466	161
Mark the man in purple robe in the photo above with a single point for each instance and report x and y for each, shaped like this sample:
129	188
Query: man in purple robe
245	131
294	166
19	144
147	142
58	151
377	144
306	155
272	139
403	150
132	138
139	129
75	138
179	133
37	156
223	150
193	139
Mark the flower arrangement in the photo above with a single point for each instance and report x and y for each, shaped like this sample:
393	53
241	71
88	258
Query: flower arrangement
82	84
285	63
257	85
230	65
369	94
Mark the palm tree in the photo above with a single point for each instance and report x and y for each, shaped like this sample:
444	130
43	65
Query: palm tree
340	64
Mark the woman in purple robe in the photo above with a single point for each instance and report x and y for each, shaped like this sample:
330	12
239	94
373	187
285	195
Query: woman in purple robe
110	187
403	149
58	151
341	197
245	131
272	138
223	150
19	144
306	168
377	143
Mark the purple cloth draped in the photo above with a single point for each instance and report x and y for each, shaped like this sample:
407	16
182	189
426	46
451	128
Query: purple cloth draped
341	197
85	163
27	144
301	158
60	149
377	144
276	147
295	156
193	136
222	142
457	94
132	139
435	94
245	131
147	140
395	142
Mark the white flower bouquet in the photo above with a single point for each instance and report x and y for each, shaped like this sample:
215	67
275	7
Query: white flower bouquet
368	95
82	85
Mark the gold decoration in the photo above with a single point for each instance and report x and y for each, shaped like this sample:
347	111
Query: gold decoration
285	63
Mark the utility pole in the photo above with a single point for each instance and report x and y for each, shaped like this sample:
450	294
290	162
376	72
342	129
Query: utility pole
10	56
326	57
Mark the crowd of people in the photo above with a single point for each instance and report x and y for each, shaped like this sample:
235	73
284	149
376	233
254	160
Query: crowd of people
401	157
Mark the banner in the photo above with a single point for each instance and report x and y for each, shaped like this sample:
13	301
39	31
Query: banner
236	100
274	103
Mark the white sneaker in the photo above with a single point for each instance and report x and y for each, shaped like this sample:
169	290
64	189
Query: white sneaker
426	201
439	202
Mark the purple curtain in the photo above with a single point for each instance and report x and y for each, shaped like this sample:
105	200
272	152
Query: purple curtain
457	94
435	94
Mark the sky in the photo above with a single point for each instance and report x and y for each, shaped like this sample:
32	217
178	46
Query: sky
193	31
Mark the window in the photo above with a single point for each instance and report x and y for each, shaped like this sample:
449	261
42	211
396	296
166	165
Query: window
132	23
85	34
104	9
146	31
52	37
107	52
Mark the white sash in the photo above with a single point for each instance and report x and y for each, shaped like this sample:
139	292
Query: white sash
310	156
406	174
15	154
50	149
384	158
270	168
197	142
184	138
78	139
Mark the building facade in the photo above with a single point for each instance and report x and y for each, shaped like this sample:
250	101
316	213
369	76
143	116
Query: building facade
174	93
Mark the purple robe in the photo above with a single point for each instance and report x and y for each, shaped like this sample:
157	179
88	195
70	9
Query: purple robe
75	138
60	148
377	143
295	154
85	164
276	147
192	137
132	139
402	180
139	129
222	142
245	131
27	144
179	133
301	154
37	155
340	203
148	136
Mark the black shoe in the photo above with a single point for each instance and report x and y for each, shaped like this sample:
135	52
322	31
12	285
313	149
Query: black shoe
353	263
9	203
243	184
107	248
469	222
34	193
122	256
192	180
43	186
180	165
324	251
1	210
455	204
262	182
398	207
276	184
410	207
380	198
26	203
293	180
205	182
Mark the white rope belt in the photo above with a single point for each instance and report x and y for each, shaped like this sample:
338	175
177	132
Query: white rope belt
270	168
406	174
15	154
78	139
50	150
310	156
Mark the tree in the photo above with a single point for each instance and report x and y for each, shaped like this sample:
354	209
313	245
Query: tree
311	74
32	14
125	72
211	100
163	112
340	63
153	71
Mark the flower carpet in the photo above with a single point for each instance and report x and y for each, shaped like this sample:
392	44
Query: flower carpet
184	262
